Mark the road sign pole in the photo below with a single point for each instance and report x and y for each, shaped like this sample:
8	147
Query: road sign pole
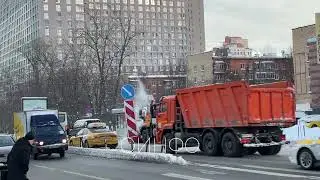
131	122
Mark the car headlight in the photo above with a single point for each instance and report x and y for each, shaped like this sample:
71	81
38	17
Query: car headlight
64	141
41	143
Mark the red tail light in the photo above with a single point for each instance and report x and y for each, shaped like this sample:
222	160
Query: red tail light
283	137
245	141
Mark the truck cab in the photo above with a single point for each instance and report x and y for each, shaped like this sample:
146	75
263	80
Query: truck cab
164	112
50	136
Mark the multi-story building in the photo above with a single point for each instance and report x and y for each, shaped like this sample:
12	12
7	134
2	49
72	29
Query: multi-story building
238	47
173	29
200	68
206	68
302	38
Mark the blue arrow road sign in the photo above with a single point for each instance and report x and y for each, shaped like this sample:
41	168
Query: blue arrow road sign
127	91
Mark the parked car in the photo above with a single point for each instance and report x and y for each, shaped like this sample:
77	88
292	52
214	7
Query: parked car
95	135
6	144
82	123
306	154
313	124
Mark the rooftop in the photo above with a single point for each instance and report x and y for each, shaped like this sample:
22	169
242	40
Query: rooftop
252	58
303	27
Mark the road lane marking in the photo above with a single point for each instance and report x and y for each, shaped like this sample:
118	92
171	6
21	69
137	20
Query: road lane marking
210	172
180	176
72	173
282	169
251	171
313	177
84	175
45	167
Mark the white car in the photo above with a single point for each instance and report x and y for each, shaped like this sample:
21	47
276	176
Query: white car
6	144
305	153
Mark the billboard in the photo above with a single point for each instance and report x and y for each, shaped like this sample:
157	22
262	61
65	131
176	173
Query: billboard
34	103
318	36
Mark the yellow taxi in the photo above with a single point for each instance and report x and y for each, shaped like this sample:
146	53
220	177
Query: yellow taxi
95	135
313	124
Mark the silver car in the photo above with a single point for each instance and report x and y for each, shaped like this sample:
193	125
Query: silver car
6	144
306	154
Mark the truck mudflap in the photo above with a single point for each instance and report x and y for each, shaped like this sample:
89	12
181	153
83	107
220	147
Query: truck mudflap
264	144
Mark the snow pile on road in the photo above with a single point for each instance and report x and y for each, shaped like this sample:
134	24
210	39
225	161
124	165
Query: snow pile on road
128	155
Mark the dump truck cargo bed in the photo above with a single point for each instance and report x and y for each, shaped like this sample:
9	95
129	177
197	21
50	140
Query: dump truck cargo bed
237	104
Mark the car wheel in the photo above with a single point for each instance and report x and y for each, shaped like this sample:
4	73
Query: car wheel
86	144
62	154
306	159
113	146
314	126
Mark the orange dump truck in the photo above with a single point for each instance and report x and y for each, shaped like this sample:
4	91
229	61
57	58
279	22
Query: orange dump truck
230	119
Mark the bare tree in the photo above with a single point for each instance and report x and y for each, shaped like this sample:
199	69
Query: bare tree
109	40
35	52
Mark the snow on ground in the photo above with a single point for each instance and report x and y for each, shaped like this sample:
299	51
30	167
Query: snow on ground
128	155
154	148
300	131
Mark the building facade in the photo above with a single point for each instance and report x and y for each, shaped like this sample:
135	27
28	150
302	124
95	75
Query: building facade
302	38
314	60
173	29
159	85
200	69
217	69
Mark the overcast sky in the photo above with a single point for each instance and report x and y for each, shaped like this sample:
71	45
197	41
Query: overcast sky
264	23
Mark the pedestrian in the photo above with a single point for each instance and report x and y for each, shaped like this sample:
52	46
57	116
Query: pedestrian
19	157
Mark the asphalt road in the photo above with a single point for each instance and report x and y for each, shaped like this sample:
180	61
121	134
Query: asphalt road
202	168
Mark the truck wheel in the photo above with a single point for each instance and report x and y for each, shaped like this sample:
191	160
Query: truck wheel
170	145
62	153
210	144
231	146
276	149
269	150
306	159
250	151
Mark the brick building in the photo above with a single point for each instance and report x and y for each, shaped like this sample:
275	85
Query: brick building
300	38
214	69
159	85
307	64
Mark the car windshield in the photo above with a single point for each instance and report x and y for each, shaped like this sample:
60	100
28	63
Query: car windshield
49	130
6	141
99	130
